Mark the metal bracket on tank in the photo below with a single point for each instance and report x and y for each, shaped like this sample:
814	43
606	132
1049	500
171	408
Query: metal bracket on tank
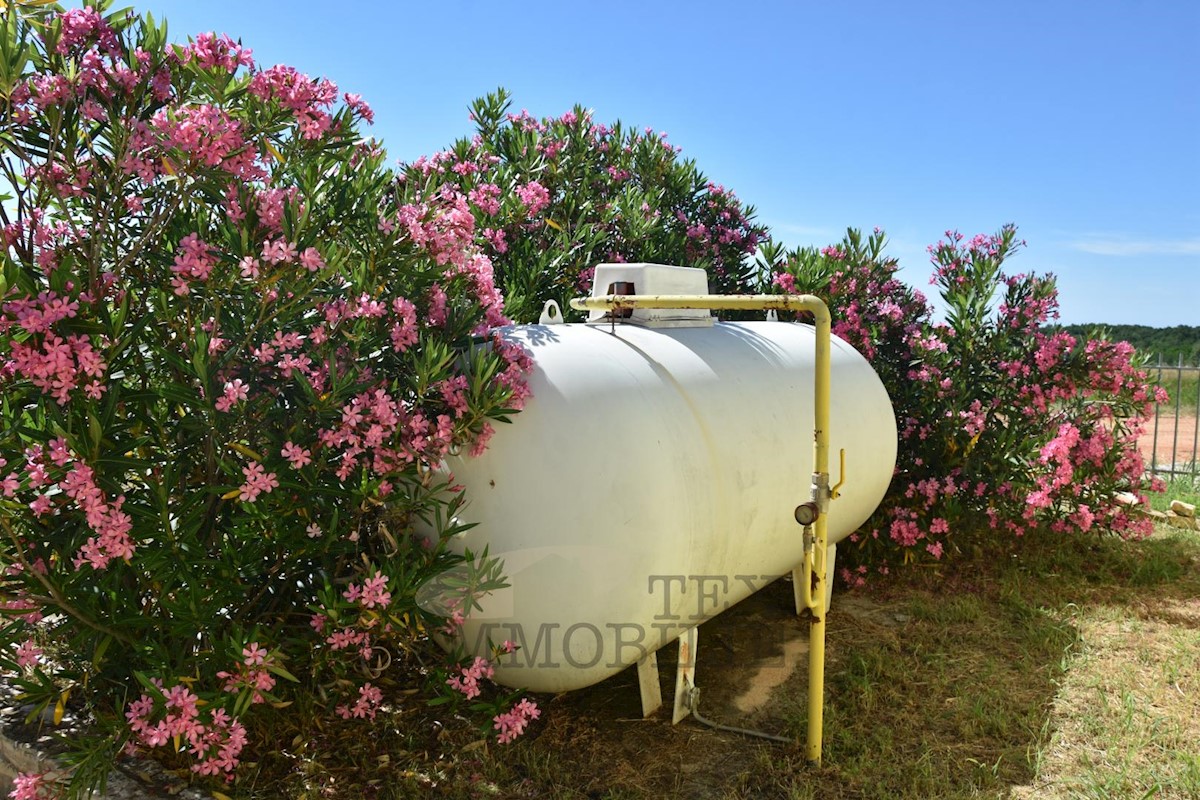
685	679
647	670
685	675
551	314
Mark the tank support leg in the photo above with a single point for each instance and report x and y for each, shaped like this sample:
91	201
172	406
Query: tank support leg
685	675
647	668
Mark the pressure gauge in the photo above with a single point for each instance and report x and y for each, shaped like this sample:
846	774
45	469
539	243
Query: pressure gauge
807	514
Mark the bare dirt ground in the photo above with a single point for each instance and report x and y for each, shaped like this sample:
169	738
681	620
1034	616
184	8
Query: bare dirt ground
743	656
1174	444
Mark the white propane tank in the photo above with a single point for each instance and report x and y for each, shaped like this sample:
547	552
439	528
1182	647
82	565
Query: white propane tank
650	483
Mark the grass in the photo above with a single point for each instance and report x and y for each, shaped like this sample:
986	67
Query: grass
1183	386
1182	488
1068	668
1128	715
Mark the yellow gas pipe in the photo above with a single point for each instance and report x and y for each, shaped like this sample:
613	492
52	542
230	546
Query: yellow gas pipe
814	561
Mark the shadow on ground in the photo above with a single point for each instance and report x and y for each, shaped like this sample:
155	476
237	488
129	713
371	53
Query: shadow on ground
939	685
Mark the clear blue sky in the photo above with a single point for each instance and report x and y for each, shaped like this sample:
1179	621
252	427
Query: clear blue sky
1078	121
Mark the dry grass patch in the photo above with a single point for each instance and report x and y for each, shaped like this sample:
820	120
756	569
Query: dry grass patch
1127	717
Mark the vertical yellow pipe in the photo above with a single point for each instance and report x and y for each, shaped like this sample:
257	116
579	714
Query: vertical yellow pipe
816	636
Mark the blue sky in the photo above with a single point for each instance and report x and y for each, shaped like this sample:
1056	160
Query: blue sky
1080	122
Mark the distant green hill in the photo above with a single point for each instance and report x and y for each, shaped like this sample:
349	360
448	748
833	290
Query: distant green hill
1170	343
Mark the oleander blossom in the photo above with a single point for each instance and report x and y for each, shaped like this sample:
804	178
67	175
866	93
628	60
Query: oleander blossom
235	348
252	675
258	481
33	786
370	698
1000	418
468	678
513	723
215	739
534	196
553	197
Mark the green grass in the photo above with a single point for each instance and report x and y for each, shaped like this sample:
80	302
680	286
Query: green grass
960	701
1067	667
1183	488
1182	386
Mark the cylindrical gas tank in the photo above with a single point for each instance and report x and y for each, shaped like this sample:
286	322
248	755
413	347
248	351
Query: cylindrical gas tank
651	482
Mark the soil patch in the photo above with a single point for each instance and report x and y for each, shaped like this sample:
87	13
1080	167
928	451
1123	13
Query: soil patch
750	660
1173	443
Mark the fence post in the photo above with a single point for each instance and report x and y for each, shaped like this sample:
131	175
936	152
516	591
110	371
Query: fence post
1154	439
1196	426
1178	406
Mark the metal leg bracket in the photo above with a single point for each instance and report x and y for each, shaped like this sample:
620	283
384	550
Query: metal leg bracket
685	674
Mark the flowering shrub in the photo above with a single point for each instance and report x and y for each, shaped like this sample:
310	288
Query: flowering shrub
231	353
552	198
1003	424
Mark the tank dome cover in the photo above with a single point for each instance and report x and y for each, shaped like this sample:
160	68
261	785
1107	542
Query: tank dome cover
653	279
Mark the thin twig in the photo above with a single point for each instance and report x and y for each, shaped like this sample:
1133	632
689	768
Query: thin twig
55	595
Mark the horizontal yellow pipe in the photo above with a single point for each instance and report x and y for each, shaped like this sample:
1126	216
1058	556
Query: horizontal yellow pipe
750	302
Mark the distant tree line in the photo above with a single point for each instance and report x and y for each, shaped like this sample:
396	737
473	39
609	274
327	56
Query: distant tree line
1170	343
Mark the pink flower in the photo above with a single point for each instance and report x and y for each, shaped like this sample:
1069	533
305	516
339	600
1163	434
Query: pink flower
28	654
34	786
60	454
79	25
356	104
512	723
534	196
369	700
275	252
298	456
235	392
467	681
311	260
373	592
210	52
438	305
404	329
486	197
480	444
258	481
253	654
41	505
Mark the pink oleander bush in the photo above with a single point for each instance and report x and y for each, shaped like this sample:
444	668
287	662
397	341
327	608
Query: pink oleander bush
554	197
1004	424
233	349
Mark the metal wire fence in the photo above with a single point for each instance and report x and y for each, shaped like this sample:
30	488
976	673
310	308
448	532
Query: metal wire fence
1172	437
